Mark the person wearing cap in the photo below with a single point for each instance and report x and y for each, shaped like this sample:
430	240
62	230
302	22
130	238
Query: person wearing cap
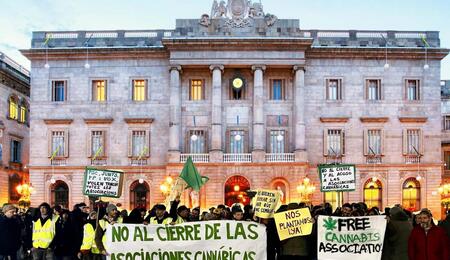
110	218
237	212
9	233
89	249
160	215
44	232
428	241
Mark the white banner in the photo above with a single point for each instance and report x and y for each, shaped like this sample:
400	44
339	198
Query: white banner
341	177
350	237
210	240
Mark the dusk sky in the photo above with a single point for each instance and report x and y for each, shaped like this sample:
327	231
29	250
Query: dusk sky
18	18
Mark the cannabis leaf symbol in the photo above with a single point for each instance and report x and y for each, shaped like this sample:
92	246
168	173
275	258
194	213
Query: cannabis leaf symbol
330	224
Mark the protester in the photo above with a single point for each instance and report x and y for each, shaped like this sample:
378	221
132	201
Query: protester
64	239
445	224
9	233
296	247
110	218
428	241
43	234
161	216
136	216
238	213
397	234
89	249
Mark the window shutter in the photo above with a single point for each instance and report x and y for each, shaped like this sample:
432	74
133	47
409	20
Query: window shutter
147	92
366	142
9	108
187	137
286	142
246	141
228	140
130	143
421	140
65	91
53	90
418	90
11	151
19	152
66	143
206	141
342	142
383	138
49	143
147	143
380	90
327	85
89	144
405	142
325	142
105	143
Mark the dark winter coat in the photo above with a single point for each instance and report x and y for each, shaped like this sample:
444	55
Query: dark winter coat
397	235
9	235
428	246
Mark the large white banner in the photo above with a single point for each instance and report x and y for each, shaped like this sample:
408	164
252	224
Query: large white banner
210	240
350	237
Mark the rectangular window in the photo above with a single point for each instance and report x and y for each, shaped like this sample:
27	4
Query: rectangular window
277	90
58	144
23	114
15	151
334	89
373	89
237	140
413	142
334	143
59	90
98	143
412	89
277	141
99	90
197	141
196	91
139	90
13	107
138	143
447	160
374	142
446	122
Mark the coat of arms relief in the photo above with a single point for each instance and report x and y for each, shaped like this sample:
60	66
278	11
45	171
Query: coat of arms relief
238	13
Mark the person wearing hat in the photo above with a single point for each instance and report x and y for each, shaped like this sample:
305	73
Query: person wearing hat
160	215
237	212
398	230
9	233
428	241
110	218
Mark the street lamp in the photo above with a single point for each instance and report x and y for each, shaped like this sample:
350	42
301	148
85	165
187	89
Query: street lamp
306	189
25	192
166	186
444	190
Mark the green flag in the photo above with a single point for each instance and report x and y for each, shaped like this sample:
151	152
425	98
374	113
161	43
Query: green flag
425	41
191	176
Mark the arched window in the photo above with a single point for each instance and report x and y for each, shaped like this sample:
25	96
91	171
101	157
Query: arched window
23	111
236	190
14	181
139	195
60	194
281	186
411	194
373	193
335	198
13	107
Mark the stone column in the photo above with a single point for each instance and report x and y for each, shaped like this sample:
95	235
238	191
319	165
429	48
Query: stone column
259	141
216	153
299	112
175	115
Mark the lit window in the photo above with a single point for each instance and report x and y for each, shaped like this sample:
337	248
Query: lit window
411	195
99	90
139	90
13	108
372	193
334	198
196	91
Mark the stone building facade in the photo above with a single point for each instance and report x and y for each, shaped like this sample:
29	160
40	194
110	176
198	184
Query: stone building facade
14	128
256	101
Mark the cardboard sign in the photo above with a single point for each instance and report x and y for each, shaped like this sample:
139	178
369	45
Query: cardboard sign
350	237
266	202
102	183
238	240
337	177
294	223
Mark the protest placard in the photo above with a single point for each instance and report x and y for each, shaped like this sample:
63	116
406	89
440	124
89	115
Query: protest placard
294	223
266	202
102	183
350	237
236	240
337	177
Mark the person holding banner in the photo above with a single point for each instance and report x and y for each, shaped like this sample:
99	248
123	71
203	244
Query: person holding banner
109	219
160	216
89	250
428	241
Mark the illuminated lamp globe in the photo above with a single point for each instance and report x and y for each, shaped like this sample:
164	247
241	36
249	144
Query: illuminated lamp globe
426	67
194	138
87	65
386	66
280	137
52	181
47	66
238	138
141	180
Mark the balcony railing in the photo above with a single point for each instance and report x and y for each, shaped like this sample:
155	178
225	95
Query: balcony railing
333	159
98	162
138	162
58	162
374	159
280	157
237	157
412	159
196	157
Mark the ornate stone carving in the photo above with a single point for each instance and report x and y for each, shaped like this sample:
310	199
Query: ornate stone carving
204	21
270	19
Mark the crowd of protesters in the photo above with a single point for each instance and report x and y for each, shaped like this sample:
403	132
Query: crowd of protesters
57	233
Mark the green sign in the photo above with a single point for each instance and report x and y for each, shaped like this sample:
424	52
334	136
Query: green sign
102	183
341	177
